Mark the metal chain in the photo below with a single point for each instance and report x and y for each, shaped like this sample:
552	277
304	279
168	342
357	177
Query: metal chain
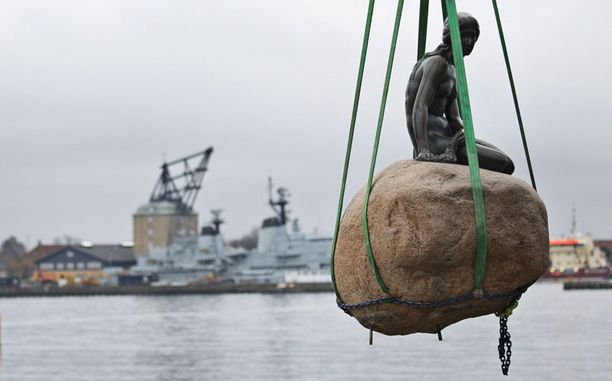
505	345
440	303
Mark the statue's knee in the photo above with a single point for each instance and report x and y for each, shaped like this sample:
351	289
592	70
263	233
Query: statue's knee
509	166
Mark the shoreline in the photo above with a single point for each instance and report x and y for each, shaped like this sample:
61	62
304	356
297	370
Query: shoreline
209	289
603	284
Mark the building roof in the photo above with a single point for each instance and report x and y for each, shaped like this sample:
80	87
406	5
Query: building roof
108	253
158	208
111	253
41	251
71	252
565	242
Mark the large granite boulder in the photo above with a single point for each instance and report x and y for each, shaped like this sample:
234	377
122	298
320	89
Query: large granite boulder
423	236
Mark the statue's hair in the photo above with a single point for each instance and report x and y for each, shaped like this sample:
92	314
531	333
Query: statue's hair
467	24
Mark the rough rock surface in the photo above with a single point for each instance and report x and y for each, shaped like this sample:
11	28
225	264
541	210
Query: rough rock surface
423	235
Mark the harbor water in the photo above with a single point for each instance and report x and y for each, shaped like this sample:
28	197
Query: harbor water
556	335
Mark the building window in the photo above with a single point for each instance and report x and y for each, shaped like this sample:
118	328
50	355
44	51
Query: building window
94	265
45	266
69	254
69	265
59	266
80	265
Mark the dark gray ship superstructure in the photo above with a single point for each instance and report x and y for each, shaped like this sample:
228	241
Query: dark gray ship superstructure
284	253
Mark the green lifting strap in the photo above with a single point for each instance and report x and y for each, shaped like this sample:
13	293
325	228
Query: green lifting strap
347	158
514	96
423	15
470	142
381	114
444	12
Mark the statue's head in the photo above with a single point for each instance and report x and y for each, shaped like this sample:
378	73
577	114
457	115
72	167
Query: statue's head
469	29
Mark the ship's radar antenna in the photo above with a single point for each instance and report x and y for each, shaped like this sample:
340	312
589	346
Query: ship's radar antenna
181	180
279	205
217	221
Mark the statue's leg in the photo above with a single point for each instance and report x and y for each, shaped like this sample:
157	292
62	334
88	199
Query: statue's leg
415	148
439	134
486	144
489	157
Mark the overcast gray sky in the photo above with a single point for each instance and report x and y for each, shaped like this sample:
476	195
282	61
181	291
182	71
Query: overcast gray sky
93	94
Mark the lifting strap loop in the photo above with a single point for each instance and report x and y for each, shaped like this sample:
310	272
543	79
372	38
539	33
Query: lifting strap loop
347	158
381	115
470	142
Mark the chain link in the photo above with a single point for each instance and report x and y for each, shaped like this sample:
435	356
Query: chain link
505	345
346	307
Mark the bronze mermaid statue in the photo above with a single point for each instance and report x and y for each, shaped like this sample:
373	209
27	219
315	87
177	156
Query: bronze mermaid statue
432	111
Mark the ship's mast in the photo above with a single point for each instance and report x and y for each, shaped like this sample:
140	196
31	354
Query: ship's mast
573	231
217	221
279	205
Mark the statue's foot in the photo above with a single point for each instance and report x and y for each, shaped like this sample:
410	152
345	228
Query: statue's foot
446	157
449	156
425	156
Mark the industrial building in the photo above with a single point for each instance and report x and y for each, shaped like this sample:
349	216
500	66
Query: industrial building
169	216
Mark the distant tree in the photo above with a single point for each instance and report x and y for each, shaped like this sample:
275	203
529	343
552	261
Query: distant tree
66	240
248	241
12	248
12	254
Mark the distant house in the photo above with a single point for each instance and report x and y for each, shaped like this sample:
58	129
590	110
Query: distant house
40	251
88	264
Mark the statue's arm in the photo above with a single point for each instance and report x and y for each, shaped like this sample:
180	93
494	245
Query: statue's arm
434	70
452	113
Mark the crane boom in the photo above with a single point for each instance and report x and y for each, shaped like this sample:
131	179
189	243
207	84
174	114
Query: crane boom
180	184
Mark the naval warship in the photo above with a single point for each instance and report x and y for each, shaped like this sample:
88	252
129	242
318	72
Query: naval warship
284	254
